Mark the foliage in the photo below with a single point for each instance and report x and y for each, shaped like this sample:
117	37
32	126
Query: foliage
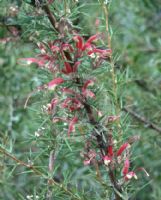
53	162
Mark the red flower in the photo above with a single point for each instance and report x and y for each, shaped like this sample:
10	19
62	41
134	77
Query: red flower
85	91
80	44
67	46
107	160
54	48
87	162
70	69
88	93
130	175
39	62
92	38
72	104
102	52
122	148
57	81
110	151
112	118
54	103
72	125
68	91
126	167
79	41
75	67
58	119
89	157
87	83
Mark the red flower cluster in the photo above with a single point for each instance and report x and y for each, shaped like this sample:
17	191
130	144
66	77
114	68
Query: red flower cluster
63	61
116	158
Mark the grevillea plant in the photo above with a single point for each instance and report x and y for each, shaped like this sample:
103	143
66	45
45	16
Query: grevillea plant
76	66
74	92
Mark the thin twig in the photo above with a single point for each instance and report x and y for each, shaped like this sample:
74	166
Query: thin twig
37	172
143	120
111	173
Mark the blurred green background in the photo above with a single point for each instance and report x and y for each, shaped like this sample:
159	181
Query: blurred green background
136	39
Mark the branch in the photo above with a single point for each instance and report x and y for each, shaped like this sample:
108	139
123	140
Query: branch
50	16
36	171
112	175
143	120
